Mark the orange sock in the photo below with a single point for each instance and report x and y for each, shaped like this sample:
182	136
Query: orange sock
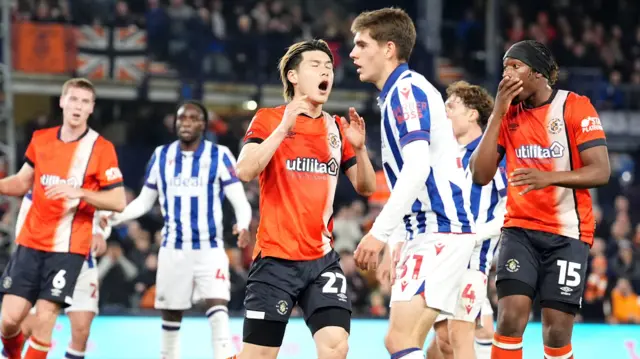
37	349
506	347
566	352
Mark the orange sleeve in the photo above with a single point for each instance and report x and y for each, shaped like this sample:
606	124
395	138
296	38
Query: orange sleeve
584	123
30	154
348	153
259	128
109	175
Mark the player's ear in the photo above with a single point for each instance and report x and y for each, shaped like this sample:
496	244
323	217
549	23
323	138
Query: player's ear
390	49
292	76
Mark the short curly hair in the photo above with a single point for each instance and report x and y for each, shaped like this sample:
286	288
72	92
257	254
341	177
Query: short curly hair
473	97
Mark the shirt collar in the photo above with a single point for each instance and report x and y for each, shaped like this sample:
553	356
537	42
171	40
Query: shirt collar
392	80
471	146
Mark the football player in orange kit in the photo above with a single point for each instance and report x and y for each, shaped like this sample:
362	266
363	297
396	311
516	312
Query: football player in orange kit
72	171
298	152
555	151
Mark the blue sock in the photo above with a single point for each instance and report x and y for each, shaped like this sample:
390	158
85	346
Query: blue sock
404	352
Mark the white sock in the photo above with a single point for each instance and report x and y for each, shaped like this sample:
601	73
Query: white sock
220	332
419	354
170	340
73	354
483	348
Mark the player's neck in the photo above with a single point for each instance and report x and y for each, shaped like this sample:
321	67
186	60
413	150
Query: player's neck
389	68
540	97
315	109
70	133
190	146
470	136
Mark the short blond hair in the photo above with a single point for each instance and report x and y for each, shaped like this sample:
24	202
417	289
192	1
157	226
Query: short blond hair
389	24
293	57
79	82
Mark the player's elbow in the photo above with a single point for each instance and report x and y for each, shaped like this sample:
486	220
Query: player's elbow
244	174
603	175
120	206
365	191
481	177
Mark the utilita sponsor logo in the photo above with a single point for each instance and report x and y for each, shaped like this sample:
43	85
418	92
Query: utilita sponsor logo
556	150
312	165
51	180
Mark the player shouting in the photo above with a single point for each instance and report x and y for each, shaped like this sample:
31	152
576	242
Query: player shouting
429	191
86	293
298	152
469	107
556	150
72	171
189	178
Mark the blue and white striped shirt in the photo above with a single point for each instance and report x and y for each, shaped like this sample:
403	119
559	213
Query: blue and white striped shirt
487	204
412	109
190	187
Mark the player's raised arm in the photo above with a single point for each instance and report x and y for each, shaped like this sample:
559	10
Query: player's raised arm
147	197
356	161
485	159
261	143
18	184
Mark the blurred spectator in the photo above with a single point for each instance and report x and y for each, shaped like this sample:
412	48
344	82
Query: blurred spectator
593	306
116	276
626	264
625	304
357	288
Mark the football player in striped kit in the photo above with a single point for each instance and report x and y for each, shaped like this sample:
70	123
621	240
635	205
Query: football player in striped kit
190	178
468	108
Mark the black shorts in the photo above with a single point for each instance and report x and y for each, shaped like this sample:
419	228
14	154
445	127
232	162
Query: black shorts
276	285
554	266
33	274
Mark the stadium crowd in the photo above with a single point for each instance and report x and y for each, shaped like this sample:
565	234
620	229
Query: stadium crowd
222	36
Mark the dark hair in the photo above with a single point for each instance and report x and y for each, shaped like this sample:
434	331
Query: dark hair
389	24
199	105
292	59
473	97
544	50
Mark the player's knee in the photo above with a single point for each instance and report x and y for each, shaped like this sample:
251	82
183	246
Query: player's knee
557	325
45	318
335	348
512	322
395	342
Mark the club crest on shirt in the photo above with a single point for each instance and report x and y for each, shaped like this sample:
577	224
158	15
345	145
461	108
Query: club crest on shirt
334	141
555	126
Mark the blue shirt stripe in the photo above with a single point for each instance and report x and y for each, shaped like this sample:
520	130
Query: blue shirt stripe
177	201
213	171
162	166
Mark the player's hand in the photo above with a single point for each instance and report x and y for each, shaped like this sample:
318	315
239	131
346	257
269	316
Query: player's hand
397	251
354	129
99	245
244	237
367	255
508	89
294	109
532	178
63	191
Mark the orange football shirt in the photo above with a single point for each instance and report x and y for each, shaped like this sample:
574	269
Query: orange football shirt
550	138
298	185
89	162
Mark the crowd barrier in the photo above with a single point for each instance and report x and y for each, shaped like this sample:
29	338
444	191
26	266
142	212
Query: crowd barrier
139	338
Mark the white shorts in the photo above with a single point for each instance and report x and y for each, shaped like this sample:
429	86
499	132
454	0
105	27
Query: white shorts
433	265
86	294
188	275
471	297
487	309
